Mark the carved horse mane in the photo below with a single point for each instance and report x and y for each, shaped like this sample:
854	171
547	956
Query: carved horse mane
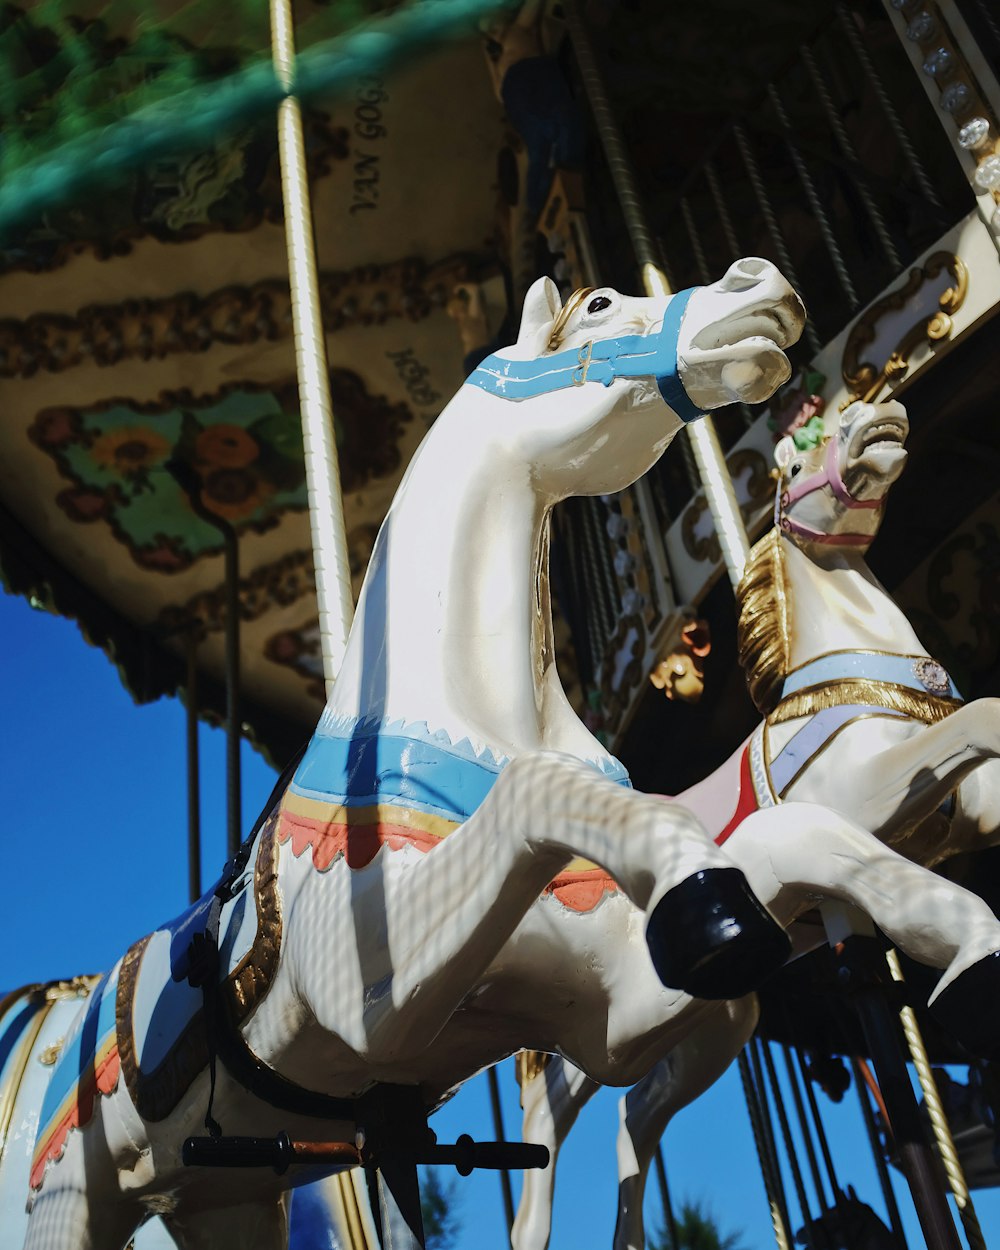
764	628
764	600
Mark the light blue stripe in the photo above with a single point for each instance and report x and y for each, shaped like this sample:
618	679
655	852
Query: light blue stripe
626	356
386	768
77	1058
405	771
814	735
857	665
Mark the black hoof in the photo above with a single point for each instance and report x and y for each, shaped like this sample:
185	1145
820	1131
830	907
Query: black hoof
969	1009
711	937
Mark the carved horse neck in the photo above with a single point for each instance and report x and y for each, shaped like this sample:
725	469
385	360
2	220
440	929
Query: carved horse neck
464	553
836	603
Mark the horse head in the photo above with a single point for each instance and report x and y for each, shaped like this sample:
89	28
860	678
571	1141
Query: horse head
834	493
592	392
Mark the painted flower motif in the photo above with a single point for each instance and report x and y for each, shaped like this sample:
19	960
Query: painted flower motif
235	493
130	450
226	446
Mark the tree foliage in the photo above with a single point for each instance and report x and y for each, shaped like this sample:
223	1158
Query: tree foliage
697	1229
438	1207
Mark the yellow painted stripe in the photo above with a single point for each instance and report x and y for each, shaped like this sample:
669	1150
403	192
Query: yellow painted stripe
378	813
16	1069
44	1139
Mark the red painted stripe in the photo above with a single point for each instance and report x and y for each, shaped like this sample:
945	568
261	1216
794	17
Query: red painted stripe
359	844
99	1080
747	803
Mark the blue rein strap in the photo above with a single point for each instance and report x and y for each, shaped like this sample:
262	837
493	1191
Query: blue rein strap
652	355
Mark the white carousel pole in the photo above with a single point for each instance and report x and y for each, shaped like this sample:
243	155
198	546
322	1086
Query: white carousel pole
326	502
712	469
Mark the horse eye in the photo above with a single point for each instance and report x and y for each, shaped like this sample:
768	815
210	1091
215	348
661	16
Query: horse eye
598	303
796	468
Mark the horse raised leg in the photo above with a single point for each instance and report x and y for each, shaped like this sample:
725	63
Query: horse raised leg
930	918
450	913
911	779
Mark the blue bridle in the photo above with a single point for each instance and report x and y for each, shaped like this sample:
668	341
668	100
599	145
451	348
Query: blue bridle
651	355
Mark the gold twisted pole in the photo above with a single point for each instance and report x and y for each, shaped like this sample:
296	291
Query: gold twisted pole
939	1121
326	503
712	469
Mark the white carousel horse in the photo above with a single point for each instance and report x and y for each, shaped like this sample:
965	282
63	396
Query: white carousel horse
857	716
409	910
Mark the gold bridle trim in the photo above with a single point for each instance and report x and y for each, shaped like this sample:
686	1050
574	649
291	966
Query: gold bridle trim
927	708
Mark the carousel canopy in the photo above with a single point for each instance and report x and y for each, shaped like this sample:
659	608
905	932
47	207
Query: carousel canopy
145	319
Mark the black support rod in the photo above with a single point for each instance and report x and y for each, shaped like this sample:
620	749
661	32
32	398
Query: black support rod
234	816
786	1132
505	1186
669	1223
193	769
189	481
824	1143
806	1131
888	1194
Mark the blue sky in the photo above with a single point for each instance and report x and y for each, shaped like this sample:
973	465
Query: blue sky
93	789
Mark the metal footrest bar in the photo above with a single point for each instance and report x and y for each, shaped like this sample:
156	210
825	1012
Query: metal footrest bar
281	1152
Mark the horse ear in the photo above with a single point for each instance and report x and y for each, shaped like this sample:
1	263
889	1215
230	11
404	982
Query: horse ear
541	307
784	451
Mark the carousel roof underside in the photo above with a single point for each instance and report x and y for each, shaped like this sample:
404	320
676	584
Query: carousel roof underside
153	322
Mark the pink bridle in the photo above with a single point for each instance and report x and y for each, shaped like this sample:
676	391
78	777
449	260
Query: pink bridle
830	476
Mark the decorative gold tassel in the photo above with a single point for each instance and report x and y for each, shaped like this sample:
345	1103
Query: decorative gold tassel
912	703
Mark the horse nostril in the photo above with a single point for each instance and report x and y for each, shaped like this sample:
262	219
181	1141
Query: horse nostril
745	274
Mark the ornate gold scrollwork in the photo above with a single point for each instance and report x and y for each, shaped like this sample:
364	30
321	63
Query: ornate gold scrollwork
699	546
759	487
75	987
49	1054
864	380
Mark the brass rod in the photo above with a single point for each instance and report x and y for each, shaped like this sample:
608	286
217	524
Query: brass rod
326	504
936	1114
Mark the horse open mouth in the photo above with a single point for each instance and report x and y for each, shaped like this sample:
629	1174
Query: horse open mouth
876	457
887	434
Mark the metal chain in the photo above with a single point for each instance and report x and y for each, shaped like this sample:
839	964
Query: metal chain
844	143
771	221
812	195
875	82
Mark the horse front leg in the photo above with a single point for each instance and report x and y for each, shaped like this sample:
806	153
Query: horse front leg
552	1099
797	854
676	1081
911	779
412	943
